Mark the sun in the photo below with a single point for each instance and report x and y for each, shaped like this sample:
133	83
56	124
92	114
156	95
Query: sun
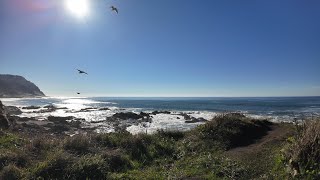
78	8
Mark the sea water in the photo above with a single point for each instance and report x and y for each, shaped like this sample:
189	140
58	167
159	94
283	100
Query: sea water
277	109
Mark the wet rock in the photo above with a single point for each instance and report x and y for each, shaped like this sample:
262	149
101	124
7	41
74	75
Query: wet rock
96	122
48	109
104	109
160	112
12	110
86	110
145	115
196	120
127	115
79	119
50	106
185	116
31	107
60	120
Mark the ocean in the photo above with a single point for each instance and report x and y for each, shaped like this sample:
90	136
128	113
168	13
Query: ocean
277	109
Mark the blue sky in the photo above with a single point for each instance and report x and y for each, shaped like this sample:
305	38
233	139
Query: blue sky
165	47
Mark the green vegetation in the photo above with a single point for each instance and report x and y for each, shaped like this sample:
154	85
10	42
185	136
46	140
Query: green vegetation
302	153
220	149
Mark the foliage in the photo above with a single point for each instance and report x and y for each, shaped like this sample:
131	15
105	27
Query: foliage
201	153
302	154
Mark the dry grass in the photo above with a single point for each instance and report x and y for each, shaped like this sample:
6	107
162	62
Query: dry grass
303	154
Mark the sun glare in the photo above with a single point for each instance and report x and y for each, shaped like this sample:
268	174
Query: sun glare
78	8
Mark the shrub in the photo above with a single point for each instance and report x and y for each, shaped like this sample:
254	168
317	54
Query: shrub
10	172
303	153
176	135
9	140
113	140
40	145
54	167
78	144
117	162
137	147
232	130
17	158
89	167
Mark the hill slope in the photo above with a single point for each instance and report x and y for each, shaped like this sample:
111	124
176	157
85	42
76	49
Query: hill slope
12	86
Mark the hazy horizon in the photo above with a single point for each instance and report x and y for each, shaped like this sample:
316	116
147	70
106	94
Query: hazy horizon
163	48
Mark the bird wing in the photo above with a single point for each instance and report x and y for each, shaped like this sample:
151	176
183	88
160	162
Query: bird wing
116	10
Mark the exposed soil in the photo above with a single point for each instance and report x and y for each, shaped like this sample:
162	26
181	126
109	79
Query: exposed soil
277	135
262	153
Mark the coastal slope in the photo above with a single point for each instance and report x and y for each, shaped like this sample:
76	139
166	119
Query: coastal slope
14	86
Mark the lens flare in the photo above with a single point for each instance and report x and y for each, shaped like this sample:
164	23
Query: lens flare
78	8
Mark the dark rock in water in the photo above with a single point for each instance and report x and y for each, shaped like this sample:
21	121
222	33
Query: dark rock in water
48	109
50	106
160	112
12	86
95	122
32	107
4	122
86	110
127	115
12	110
196	120
79	119
145	115
60	119
104	109
186	116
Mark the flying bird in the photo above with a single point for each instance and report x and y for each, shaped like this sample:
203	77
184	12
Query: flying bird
82	72
114	9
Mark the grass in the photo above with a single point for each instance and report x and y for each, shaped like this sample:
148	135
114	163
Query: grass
199	154
302	154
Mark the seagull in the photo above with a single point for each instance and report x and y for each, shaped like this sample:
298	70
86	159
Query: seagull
114	9
82	72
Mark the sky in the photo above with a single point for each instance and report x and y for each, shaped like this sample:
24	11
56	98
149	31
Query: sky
164	47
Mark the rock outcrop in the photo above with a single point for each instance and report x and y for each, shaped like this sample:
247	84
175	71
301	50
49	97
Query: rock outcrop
12	86
4	122
12	110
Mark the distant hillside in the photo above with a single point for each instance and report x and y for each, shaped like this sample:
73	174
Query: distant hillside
12	86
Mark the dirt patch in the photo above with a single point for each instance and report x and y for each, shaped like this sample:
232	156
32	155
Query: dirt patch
277	134
262	154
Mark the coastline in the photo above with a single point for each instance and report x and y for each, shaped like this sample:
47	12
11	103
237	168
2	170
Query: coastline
230	145
97	113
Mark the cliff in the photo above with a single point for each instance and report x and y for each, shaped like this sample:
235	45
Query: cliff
13	86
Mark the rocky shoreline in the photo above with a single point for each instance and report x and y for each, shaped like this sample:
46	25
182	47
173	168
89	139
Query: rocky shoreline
70	125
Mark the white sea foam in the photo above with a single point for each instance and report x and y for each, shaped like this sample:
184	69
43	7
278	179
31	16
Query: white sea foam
163	121
97	118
